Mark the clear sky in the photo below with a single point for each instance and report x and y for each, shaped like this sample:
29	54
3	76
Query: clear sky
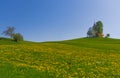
50	20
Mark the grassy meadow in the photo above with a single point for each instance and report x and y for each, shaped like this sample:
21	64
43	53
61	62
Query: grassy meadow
77	58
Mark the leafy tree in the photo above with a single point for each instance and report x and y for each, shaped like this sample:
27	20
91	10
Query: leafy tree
89	33
98	29
17	37
99	26
9	31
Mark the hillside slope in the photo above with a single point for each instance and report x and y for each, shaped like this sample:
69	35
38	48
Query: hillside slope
98	43
85	57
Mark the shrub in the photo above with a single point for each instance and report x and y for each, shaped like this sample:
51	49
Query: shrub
17	37
107	36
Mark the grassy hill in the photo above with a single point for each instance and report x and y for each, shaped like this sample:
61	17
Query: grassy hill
77	58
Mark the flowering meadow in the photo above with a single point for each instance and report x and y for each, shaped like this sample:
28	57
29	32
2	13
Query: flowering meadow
79	58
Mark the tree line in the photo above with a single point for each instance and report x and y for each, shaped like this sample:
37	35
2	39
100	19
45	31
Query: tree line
96	30
10	32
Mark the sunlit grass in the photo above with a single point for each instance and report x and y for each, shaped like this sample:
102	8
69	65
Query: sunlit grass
93	58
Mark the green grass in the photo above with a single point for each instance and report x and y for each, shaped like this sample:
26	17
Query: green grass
77	58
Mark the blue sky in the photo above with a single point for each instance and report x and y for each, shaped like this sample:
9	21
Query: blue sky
51	20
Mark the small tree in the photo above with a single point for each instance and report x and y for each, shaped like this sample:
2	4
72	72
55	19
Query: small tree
107	36
89	33
9	31
17	37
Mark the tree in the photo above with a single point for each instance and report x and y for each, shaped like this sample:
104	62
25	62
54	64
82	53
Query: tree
97	30
17	37
9	31
89	33
94	30
107	36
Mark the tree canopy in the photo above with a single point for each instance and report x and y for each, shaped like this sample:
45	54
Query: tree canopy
17	37
96	30
9	31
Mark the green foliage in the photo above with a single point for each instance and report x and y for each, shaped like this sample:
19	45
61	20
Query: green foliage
107	36
99	27
17	37
89	33
97	30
